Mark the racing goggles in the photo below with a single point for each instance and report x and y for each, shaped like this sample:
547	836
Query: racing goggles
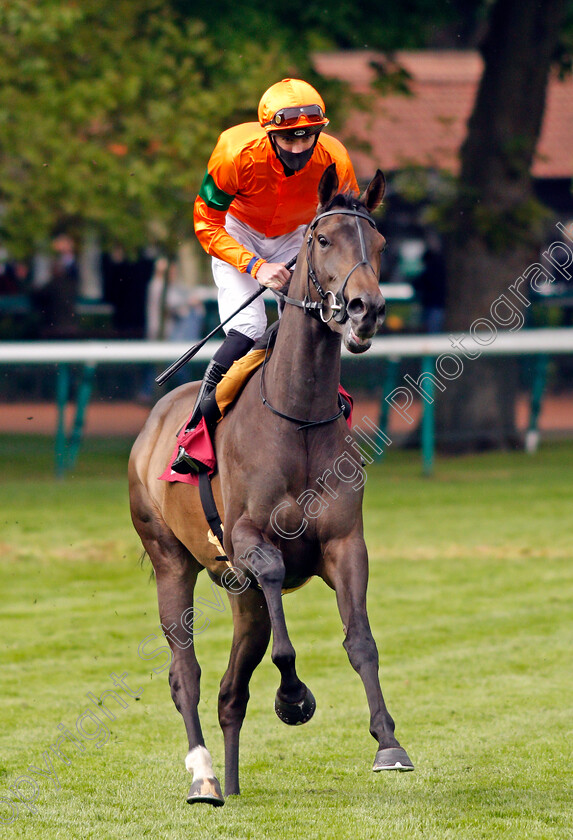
289	117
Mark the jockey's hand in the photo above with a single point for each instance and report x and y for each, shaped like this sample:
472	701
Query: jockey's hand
273	275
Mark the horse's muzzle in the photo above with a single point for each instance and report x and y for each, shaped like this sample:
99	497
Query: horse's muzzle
366	314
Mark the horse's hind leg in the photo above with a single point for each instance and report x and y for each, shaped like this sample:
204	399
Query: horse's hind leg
176	572
175	586
294	703
252	630
346	570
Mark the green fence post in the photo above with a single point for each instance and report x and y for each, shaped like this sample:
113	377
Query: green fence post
391	374
537	390
84	394
62	396
428	418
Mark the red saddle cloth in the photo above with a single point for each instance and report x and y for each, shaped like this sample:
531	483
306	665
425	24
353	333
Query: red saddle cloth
198	444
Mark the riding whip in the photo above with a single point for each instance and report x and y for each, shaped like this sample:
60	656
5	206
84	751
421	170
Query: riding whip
188	355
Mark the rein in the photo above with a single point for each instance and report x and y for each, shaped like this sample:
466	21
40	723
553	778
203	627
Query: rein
304	424
338	309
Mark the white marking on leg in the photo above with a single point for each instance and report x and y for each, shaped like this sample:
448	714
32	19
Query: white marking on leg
198	761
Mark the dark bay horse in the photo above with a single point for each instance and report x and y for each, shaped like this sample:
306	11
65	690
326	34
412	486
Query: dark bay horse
289	489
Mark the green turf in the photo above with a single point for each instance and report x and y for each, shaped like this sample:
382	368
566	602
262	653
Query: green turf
470	601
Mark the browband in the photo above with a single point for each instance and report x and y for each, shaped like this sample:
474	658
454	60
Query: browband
344	212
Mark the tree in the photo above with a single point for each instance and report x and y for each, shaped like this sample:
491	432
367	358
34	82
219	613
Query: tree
495	234
303	26
109	110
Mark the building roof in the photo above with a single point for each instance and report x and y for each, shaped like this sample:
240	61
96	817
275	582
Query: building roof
429	127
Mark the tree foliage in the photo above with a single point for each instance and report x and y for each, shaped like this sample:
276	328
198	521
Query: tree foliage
109	110
302	25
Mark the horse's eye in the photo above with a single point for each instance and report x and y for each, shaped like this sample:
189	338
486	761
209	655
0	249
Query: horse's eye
322	240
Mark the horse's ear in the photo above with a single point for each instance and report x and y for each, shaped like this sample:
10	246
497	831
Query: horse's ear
374	192
328	186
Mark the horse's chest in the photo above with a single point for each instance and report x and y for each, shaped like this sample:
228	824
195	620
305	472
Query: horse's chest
318	504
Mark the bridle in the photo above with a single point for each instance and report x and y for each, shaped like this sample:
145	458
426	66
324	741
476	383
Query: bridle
338	307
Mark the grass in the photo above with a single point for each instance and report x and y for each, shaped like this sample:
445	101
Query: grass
470	602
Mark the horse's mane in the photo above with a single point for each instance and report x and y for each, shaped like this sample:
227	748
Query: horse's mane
346	200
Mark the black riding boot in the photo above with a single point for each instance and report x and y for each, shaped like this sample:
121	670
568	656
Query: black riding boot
235	345
211	378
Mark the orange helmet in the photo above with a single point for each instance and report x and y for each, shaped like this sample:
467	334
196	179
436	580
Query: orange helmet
292	104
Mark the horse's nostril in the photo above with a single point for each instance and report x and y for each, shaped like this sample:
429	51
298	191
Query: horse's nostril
356	308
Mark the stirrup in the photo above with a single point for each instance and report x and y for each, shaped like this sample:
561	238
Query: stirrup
184	464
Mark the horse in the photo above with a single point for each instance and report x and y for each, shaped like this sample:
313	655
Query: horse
288	484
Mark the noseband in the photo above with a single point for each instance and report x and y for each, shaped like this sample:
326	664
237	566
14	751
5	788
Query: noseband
338	307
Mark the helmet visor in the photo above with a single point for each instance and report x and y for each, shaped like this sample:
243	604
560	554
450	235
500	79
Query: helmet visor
289	117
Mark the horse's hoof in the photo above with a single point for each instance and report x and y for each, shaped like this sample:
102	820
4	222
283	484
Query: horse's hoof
392	758
296	713
206	790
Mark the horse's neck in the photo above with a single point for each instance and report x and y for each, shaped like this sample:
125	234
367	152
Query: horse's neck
303	374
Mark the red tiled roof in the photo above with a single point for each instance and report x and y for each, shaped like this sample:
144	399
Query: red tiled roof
429	127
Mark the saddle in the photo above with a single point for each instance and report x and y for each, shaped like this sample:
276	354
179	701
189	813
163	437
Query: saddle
198	441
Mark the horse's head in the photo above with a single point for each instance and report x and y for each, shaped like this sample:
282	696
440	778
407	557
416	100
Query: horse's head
343	253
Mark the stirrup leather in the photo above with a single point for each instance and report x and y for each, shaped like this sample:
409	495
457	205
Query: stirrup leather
183	463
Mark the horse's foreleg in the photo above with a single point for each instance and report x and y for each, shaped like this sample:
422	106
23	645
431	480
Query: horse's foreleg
252	630
294	703
176	573
346	570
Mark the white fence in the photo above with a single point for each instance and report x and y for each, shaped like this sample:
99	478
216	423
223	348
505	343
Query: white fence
519	343
434	348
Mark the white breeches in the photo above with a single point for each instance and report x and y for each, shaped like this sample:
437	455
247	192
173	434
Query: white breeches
235	287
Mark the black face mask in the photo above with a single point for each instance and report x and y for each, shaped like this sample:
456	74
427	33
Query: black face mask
293	161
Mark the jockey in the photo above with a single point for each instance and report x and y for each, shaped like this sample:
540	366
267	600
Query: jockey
257	197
